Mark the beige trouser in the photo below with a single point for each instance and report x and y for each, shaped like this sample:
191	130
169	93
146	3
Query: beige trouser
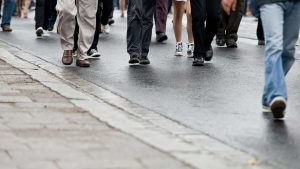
85	10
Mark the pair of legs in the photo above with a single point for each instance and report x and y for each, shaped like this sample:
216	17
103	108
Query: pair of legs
179	8
45	14
85	12
205	19
139	29
8	9
281	22
160	17
122	4
229	25
93	51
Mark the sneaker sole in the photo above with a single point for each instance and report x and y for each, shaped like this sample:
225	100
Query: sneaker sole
278	109
145	62
163	38
178	54
133	61
197	64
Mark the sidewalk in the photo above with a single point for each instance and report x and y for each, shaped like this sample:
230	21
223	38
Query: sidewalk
52	119
40	129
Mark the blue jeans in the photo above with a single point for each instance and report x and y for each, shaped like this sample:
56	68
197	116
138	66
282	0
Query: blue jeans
281	22
7	12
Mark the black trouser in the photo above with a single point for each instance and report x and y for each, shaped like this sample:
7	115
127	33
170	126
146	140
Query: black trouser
229	24
259	30
108	7
0	8
97	31
139	26
204	10
42	14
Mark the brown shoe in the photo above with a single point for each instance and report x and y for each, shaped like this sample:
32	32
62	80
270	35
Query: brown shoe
6	28
82	63
67	58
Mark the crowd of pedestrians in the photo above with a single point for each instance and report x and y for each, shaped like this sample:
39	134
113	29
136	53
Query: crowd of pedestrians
79	23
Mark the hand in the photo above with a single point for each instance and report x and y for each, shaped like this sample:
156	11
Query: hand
229	5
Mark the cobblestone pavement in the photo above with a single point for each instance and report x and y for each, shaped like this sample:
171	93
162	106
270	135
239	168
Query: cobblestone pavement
40	129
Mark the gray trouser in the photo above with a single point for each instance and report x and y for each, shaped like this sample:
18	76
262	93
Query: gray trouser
140	23
85	10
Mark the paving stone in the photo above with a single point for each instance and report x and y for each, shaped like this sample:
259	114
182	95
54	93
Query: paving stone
13	99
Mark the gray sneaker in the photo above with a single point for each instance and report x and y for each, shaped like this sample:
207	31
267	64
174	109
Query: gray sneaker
190	50
179	49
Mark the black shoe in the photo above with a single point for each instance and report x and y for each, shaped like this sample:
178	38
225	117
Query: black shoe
231	43
50	28
144	60
198	61
160	37
134	59
261	42
220	41
209	54
111	21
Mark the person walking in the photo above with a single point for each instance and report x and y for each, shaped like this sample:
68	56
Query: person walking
8	9
281	24
204	11
139	30
160	18
179	7
85	12
229	25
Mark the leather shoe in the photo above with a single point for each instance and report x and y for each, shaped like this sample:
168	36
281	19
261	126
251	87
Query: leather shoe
67	58
82	63
6	28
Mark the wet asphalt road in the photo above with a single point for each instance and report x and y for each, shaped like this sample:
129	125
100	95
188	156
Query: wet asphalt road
221	99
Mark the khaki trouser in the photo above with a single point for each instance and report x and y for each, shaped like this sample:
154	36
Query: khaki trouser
85	10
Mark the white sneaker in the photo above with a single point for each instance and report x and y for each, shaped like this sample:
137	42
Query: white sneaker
278	106
179	49
106	28
39	32
93	53
190	50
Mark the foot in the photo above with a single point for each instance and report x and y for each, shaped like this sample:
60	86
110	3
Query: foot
198	61
190	50
111	21
50	28
39	32
220	41
6	28
93	53
144	60
261	42
277	107
134	59
231	43
160	37
82	63
106	29
67	58
179	49
209	54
